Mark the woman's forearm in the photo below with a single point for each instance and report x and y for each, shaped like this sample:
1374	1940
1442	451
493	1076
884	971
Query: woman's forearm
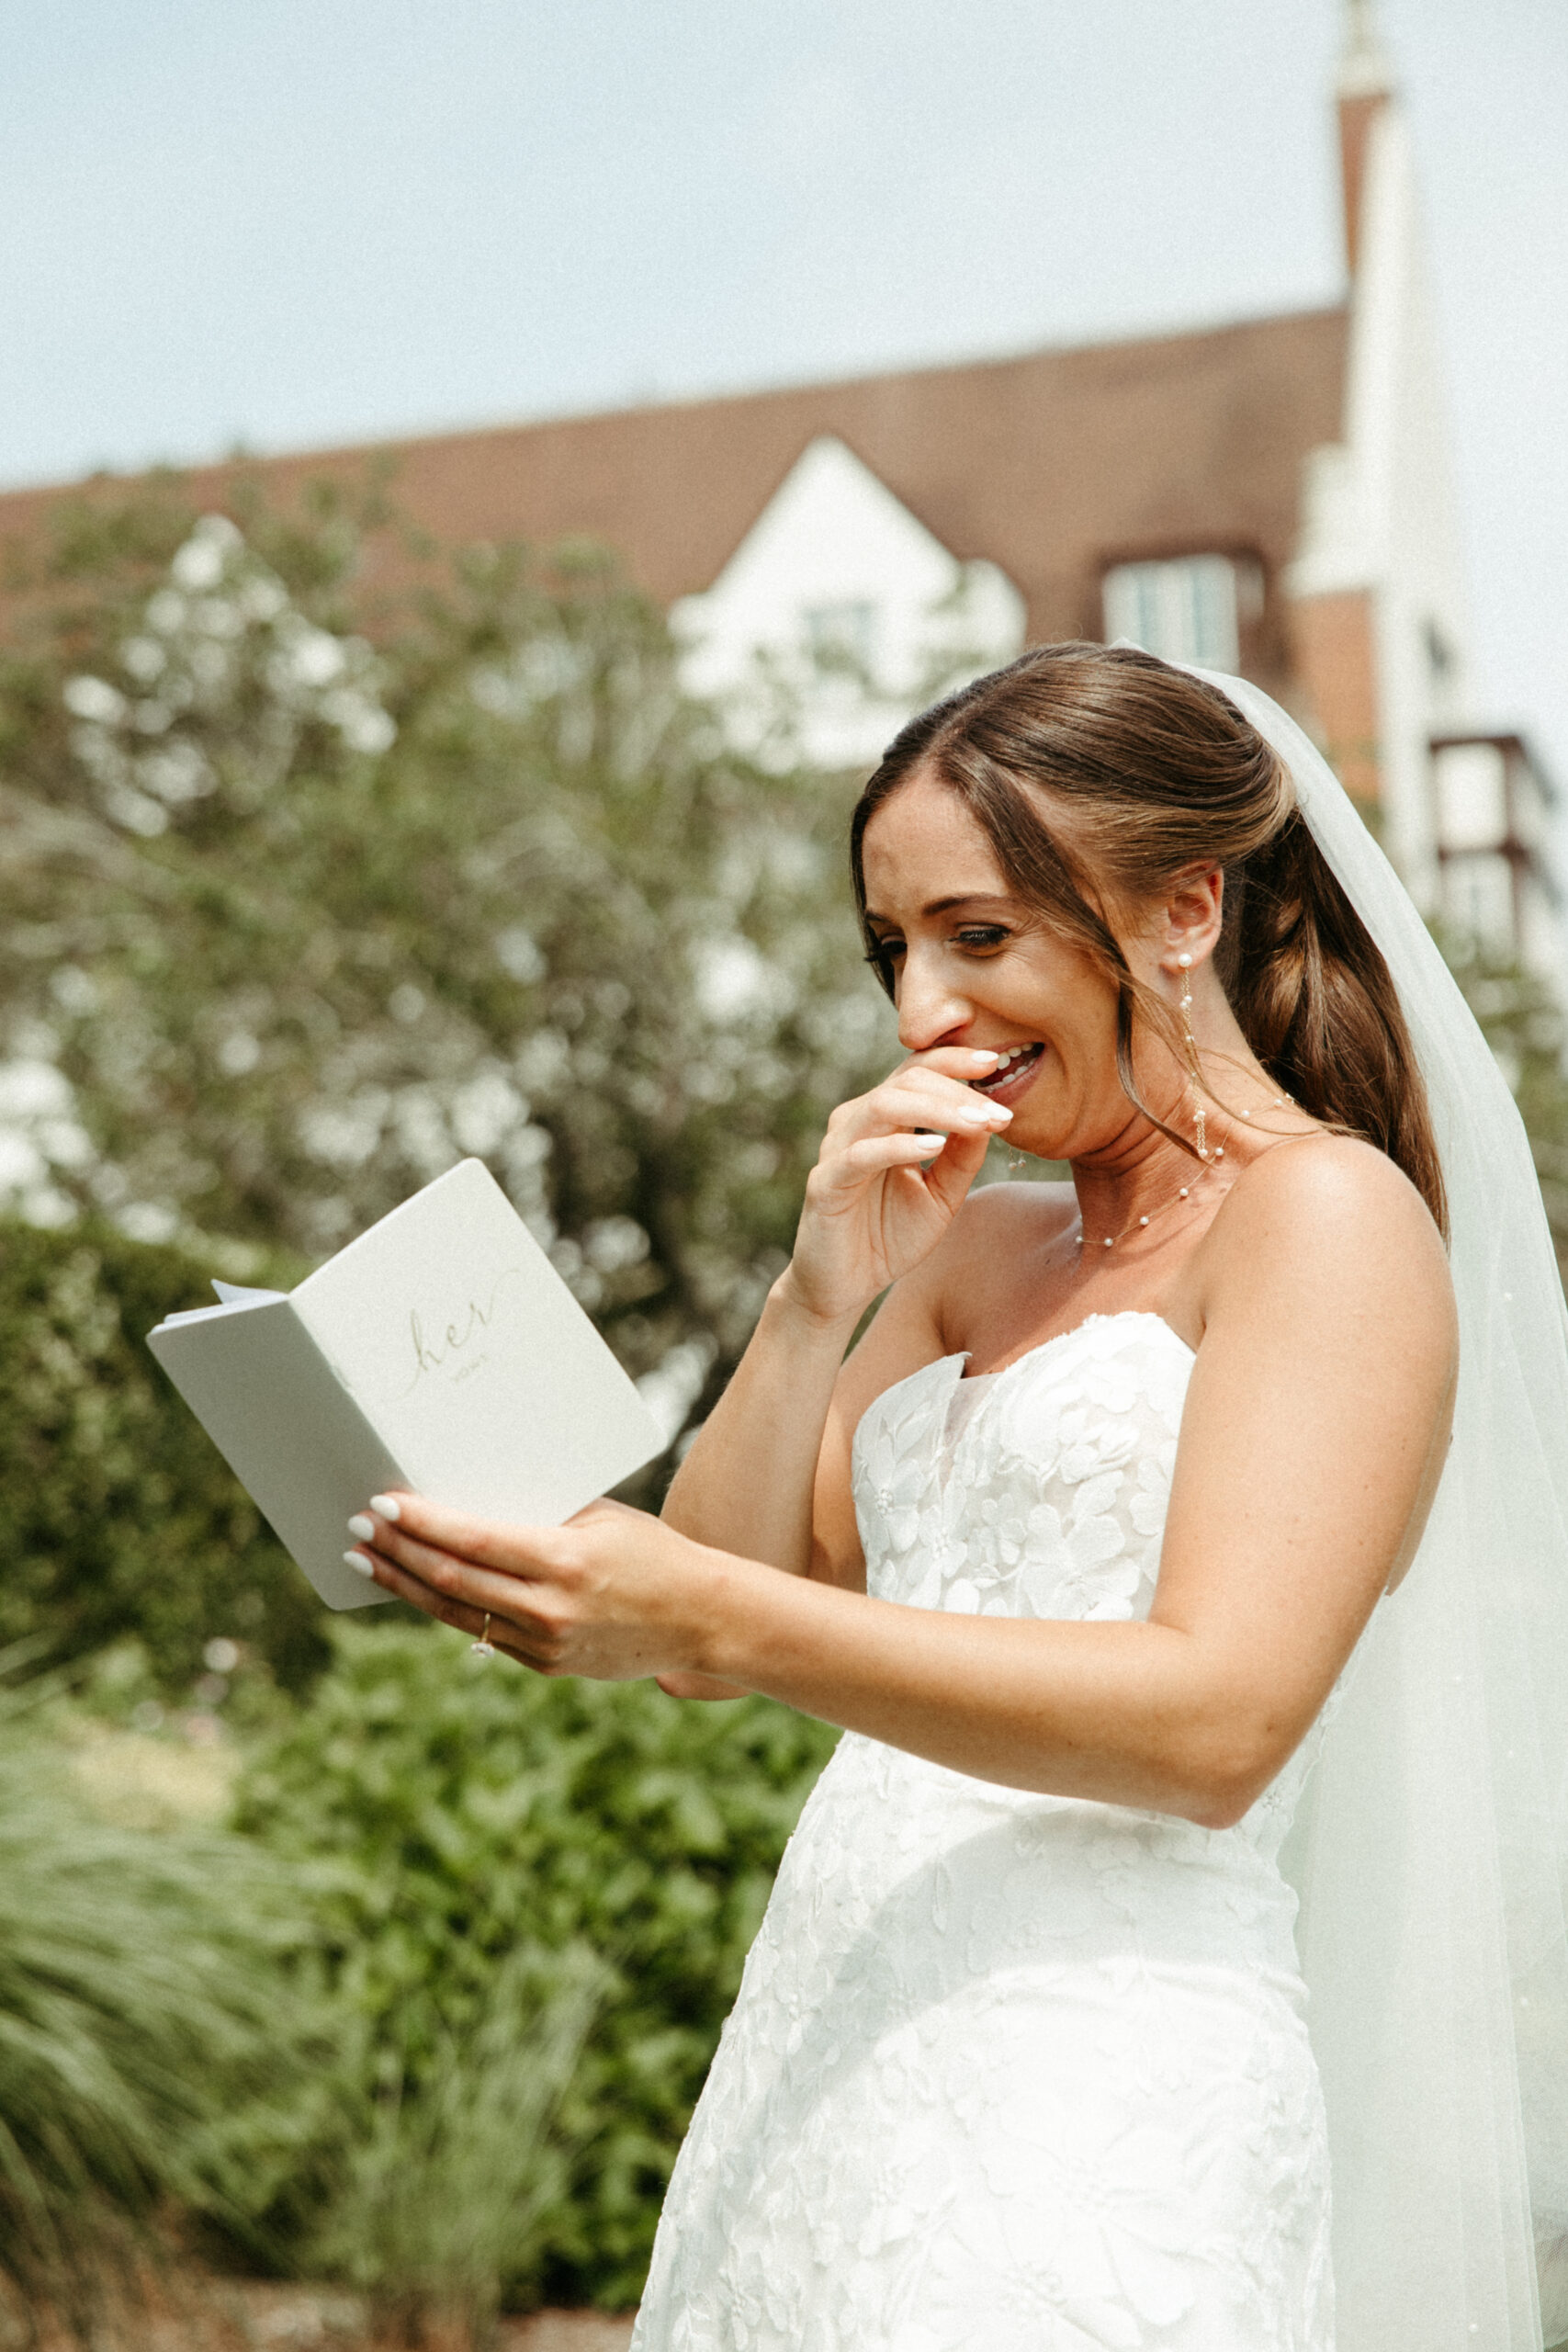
746	1486
1129	1713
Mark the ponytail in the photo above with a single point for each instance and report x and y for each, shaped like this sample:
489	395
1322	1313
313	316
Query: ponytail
1317	1004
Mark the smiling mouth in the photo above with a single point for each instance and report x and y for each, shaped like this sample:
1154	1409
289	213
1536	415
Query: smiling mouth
1021	1062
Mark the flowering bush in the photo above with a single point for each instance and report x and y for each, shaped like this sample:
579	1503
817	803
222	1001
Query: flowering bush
305	895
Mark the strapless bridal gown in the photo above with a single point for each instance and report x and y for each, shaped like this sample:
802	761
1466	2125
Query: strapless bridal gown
1010	2073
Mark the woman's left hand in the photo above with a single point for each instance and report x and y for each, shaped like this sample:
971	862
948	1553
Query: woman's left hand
614	1594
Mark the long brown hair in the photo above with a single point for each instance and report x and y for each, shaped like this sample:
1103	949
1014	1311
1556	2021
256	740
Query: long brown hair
1147	771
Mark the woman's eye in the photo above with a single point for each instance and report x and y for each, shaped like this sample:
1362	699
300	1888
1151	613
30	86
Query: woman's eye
987	935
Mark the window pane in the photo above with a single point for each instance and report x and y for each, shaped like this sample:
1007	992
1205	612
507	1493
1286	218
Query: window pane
1184	611
1473	809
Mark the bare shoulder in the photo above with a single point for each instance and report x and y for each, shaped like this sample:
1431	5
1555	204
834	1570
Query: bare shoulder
1330	1223
1334	1183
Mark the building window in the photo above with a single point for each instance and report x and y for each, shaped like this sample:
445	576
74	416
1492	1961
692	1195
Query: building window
1186	610
1471	781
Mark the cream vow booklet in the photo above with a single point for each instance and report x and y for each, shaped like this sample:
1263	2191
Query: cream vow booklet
440	1352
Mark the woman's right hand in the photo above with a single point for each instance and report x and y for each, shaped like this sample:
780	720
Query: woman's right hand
891	1176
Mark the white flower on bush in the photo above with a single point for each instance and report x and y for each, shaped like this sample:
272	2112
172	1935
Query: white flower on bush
223	624
40	1132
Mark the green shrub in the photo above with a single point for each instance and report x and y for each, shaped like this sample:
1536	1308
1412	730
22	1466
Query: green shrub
144	2007
454	2183
117	1516
445	1815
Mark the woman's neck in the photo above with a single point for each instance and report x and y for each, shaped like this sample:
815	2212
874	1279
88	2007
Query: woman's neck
1124	1190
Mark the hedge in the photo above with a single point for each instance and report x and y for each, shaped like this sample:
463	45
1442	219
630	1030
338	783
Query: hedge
118	1516
442	1816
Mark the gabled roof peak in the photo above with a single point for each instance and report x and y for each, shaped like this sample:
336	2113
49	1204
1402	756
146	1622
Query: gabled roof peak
1366	70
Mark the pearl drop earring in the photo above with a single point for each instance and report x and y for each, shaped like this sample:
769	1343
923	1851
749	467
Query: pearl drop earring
1184	963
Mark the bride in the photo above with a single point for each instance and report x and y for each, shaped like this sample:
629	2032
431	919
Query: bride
1096	1546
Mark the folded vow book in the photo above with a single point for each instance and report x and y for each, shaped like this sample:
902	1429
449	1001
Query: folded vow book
441	1351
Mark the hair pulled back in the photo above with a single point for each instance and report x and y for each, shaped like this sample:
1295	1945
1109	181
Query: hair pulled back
1099	773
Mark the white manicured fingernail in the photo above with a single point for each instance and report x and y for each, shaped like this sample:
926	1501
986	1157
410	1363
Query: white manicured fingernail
359	1563
362	1527
936	1142
385	1507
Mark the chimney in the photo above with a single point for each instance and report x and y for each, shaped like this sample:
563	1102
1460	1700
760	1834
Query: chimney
1364	87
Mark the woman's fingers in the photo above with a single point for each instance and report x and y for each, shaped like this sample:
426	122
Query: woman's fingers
402	1520
952	1171
875	1154
882	1120
529	1642
920	1098
459	1587
965	1063
466	1617
406	1586
457	1575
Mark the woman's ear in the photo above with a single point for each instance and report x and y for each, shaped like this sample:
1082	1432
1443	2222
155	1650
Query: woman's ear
1189	921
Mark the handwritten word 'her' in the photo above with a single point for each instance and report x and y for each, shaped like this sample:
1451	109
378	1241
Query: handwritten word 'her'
435	1354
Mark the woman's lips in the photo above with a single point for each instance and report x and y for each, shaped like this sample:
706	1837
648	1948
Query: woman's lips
1010	1084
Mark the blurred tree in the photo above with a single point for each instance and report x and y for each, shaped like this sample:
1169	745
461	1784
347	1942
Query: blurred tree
293	919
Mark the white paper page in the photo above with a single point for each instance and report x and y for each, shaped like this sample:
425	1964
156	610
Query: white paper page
230	1297
466	1350
297	1443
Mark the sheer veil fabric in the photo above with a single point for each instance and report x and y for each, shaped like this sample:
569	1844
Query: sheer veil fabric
1430	1849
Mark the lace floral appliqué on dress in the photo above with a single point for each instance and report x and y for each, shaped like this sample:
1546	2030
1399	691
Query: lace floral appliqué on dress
1010	2073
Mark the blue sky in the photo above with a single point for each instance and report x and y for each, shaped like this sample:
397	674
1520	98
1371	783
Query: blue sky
281	225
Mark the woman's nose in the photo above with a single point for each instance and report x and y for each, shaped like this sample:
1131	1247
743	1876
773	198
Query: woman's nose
930	1007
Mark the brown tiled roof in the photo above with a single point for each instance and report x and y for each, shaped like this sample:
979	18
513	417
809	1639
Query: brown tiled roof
1050	464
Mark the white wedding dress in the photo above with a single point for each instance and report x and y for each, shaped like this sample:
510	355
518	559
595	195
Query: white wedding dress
1011	2073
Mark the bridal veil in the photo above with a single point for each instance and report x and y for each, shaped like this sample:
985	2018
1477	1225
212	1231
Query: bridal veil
1430	1850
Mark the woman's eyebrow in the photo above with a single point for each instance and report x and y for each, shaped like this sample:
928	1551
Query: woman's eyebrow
945	905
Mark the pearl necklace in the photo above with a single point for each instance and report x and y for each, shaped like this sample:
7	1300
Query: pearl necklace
1109	1241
